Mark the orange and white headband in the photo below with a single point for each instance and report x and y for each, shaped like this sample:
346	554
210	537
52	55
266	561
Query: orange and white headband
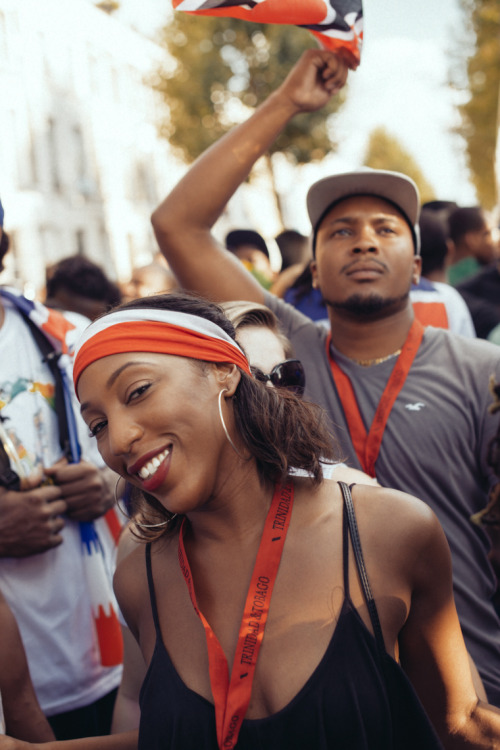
158	331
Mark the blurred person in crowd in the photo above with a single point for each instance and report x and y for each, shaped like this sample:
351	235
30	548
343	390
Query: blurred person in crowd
474	246
481	291
294	247
251	249
294	282
58	530
295	251
152	278
306	298
437	250
435	301
76	284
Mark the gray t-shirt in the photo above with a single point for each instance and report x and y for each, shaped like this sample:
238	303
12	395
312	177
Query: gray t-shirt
434	447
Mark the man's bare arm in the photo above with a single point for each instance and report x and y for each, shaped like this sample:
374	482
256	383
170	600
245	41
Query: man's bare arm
183	222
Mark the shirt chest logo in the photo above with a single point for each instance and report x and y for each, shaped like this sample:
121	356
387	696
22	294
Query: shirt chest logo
418	406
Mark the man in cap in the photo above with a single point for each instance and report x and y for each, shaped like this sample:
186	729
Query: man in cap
56	537
421	395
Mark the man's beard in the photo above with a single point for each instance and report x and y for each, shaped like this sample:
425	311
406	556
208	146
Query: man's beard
374	305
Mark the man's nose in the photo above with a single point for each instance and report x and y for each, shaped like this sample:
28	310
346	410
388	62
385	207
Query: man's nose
365	241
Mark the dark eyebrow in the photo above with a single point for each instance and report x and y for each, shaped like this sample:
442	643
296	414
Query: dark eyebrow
377	218
341	220
112	378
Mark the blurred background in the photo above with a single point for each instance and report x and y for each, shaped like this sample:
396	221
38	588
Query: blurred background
104	104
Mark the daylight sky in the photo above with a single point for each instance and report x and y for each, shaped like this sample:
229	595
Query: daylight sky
401	84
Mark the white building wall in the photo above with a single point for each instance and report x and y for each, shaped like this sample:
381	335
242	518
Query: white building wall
81	166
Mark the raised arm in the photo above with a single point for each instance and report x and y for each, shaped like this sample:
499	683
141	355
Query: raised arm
183	222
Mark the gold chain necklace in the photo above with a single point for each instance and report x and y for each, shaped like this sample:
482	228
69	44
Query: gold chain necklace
377	361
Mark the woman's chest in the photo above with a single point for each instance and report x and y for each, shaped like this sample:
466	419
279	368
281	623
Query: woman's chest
289	624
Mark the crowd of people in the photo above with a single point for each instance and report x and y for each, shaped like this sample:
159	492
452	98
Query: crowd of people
307	461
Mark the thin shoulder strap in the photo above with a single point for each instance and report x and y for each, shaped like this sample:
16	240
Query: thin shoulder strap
360	564
151	586
345	551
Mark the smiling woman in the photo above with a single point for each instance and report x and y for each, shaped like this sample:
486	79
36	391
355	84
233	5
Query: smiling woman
213	453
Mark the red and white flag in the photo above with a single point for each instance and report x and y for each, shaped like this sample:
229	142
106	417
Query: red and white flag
337	24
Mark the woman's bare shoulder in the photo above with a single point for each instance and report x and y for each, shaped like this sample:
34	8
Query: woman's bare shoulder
130	578
131	571
372	503
382	501
399	521
128	542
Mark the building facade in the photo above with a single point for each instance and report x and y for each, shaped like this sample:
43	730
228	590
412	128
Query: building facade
81	165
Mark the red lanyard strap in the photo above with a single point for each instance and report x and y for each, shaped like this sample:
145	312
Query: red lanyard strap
367	446
231	697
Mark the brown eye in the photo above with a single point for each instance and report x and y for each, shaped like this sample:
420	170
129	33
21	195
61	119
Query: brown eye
96	428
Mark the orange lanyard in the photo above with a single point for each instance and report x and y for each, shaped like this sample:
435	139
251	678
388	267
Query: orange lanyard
231	697
367	446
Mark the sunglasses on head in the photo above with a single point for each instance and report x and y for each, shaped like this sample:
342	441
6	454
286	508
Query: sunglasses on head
288	374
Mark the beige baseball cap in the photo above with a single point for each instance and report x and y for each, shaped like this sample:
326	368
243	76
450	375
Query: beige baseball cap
394	187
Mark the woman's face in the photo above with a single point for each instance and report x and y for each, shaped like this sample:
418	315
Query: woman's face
156	422
262	347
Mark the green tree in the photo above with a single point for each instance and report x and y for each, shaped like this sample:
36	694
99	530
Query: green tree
481	83
222	68
385	152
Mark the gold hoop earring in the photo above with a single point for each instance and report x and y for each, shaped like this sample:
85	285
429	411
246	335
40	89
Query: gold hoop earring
226	432
117	499
154	525
134	521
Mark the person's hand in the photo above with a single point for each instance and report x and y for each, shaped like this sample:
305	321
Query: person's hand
30	521
314	79
84	488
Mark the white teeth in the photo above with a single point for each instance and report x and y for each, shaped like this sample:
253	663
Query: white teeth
147	471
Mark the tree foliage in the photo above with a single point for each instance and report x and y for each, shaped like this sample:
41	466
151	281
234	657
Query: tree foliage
223	68
385	152
479	114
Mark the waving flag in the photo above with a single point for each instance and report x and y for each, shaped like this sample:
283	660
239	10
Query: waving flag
337	24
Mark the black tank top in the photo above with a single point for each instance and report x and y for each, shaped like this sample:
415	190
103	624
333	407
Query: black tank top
357	698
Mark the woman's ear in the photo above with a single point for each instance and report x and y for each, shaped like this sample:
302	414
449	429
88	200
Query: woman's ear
228	376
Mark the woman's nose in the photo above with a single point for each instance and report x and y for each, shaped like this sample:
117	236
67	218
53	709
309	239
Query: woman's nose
121	436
